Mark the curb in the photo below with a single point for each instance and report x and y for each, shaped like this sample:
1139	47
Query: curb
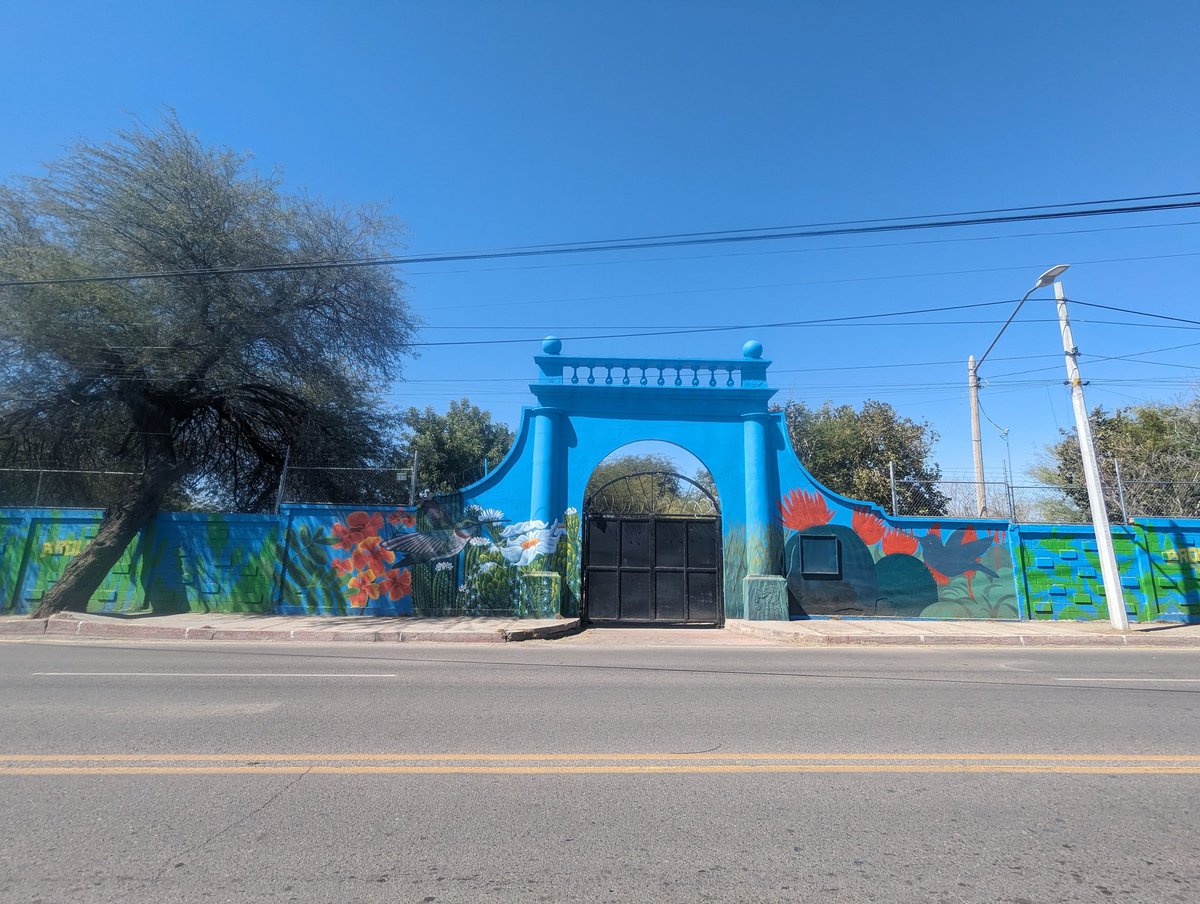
949	640
69	626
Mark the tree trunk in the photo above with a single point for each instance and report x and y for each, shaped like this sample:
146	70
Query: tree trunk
121	523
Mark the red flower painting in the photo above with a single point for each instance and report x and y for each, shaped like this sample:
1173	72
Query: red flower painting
366	589
401	518
358	527
896	542
801	510
370	555
396	583
868	527
369	525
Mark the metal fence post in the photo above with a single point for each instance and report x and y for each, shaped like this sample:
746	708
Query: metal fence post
892	478
1008	493
412	484
37	494
1121	492
287	454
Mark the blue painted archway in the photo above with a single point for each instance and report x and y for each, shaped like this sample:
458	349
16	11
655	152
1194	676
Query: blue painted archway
716	409
511	542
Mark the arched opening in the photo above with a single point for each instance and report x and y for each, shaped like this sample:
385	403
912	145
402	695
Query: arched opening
652	540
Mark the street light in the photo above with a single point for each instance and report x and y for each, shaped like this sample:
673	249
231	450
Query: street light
973	386
1113	593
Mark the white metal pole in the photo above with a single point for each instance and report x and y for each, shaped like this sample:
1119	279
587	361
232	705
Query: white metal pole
1113	593
976	439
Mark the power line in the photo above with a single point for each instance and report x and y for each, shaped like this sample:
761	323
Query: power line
1106	307
898	224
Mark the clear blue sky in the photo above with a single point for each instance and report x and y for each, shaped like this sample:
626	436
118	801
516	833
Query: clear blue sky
493	125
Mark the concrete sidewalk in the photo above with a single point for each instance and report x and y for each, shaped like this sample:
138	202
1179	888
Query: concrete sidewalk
816	632
322	629
367	629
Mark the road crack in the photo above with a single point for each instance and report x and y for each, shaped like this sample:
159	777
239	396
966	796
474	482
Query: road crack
172	864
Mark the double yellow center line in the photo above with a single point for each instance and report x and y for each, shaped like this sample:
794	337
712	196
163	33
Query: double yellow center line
592	763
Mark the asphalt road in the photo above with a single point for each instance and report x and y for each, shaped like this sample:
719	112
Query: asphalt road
618	767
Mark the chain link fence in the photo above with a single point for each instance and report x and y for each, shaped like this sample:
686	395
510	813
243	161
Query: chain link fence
327	485
1042	503
58	488
1027	503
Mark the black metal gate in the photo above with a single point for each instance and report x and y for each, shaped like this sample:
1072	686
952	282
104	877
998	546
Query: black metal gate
658	565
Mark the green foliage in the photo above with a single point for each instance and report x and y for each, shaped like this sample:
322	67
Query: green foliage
214	374
490	587
565	561
201	382
451	448
661	491
619	466
733	547
849	451
982	597
308	580
1158	447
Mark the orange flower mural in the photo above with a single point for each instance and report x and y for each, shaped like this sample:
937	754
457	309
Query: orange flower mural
366	589
358	527
868	527
396	583
372	556
368	524
801	510
402	518
897	542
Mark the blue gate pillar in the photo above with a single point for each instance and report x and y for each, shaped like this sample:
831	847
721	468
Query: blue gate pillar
545	453
764	591
542	504
758	493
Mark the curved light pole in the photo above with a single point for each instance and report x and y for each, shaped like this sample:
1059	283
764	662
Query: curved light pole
1113	594
973	386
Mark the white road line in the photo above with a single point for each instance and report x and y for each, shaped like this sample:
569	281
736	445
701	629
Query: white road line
214	675
1128	680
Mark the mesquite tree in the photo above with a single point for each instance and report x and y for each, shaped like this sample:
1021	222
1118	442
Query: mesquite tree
203	377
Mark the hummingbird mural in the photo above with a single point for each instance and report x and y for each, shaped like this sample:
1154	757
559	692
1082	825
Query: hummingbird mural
446	537
954	556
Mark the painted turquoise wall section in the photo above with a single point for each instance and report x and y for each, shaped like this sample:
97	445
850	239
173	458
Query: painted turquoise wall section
182	562
510	544
1172	567
1158	558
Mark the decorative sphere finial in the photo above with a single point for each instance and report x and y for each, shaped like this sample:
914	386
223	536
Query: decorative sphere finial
552	345
752	349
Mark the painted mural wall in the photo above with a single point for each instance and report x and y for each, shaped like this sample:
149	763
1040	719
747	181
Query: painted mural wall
407	561
444	557
847	558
